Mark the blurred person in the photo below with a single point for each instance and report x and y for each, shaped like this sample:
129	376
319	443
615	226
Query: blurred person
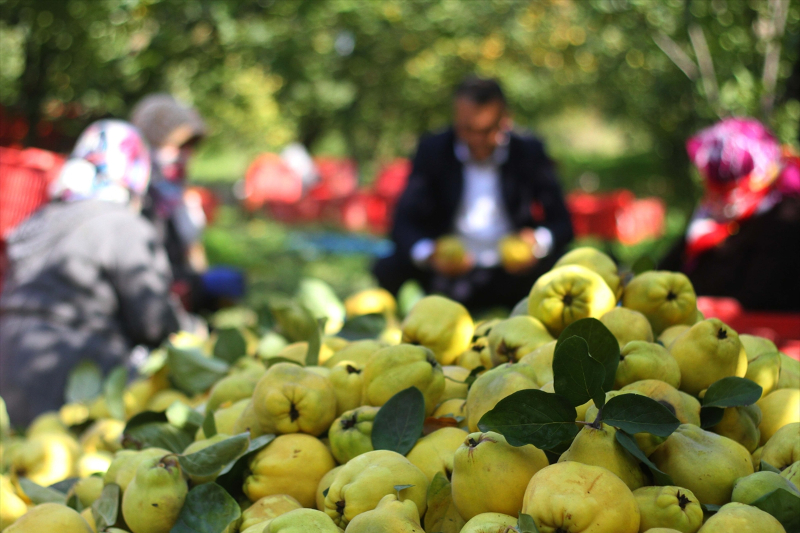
173	131
480	182
743	240
88	278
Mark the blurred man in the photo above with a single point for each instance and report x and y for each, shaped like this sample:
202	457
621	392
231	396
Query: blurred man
478	194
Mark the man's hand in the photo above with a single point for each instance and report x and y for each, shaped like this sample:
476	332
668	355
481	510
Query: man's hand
450	258
516	251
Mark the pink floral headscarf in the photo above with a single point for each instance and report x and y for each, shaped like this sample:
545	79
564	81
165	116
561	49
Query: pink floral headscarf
745	172
110	162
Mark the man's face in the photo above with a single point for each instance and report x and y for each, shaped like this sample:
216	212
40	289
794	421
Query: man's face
480	126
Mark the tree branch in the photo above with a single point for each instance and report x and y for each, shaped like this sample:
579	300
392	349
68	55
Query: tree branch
707	74
677	55
776	28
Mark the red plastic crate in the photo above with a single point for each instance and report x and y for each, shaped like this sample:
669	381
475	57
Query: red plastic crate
616	216
392	179
24	178
269	180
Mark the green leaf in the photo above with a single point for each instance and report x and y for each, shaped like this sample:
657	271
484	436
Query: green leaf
732	392
210	460
398	424
209	425
105	509
192	372
315	343
363	327
230	345
577	376
84	383
473	375
208	509
783	505
441	515
635	413
145	417
64	485
73	502
114	389
325	492
603	346
39	494
160	435
766	467
398	488
711	416
294	321
710	508
525	524
532	416
182	416
629	443
643	264
255	445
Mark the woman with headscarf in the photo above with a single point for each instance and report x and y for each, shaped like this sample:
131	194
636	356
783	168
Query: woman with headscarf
743	240
172	130
88	279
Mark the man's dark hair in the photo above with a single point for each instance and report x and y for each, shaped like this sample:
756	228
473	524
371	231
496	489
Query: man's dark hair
480	91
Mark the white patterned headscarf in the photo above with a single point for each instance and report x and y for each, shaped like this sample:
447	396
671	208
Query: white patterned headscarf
110	162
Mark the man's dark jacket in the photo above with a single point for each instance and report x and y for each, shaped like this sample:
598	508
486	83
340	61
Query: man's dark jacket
530	190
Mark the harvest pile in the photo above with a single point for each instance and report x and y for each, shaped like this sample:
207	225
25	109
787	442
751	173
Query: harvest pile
573	415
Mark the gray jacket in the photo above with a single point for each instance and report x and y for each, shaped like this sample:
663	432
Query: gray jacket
87	280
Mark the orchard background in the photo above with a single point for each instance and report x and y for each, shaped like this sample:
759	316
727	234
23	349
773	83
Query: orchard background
613	86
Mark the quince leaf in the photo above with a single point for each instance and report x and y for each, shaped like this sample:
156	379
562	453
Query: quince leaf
64	485
230	345
635	413
158	435
85	382
732	392
209	461
398	424
106	508
209	424
208	509
578	377
294	321
526	524
766	467
74	502
442	515
182	416
532	416
255	445
603	346
710	416
629	443
783	505
38	494
114	389
710	508
398	488
193	372
363	327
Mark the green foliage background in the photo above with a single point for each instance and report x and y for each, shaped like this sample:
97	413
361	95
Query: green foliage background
365	78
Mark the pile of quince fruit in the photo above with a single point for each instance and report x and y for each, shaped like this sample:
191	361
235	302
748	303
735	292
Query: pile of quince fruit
601	405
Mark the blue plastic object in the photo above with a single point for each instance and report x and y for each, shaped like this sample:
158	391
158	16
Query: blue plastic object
224	282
